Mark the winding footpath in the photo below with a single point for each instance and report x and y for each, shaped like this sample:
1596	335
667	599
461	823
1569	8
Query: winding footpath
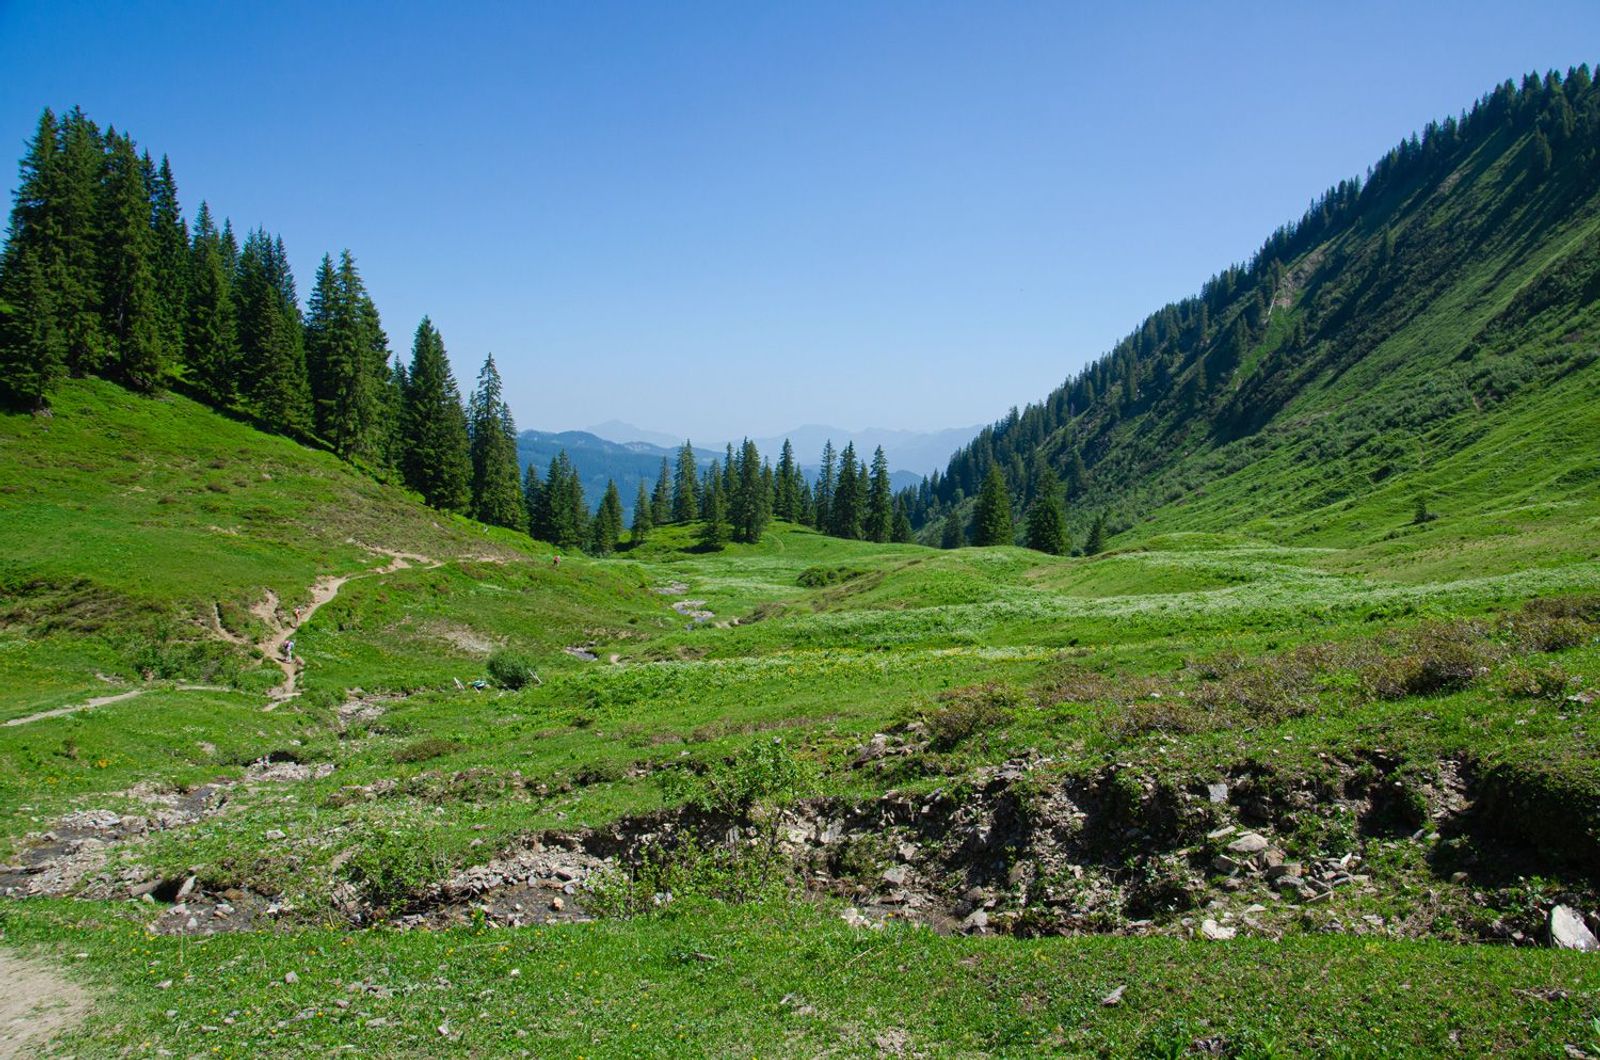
36	1005
269	610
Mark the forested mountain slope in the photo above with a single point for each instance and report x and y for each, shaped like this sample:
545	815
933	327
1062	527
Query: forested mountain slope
1425	336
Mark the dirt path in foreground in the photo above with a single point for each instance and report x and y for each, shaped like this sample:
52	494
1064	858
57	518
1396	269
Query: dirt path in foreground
36	1005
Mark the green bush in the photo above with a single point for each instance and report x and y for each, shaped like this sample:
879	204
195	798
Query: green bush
423	750
512	669
391	868
964	712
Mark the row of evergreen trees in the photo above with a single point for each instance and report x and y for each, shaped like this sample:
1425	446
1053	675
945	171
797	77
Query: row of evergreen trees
102	275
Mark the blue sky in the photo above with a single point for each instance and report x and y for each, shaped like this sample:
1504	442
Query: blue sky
734	218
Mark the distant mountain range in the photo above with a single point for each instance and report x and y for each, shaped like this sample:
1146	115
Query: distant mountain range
919	452
628	463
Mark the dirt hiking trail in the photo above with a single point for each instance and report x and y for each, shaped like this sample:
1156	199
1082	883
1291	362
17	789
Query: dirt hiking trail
269	609
36	1005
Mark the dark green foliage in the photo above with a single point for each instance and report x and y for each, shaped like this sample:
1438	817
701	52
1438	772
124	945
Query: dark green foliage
347	362
437	463
643	516
531	488
1046	525
561	516
497	495
686	487
169	260
607	528
210	336
847	508
822	496
991	519
661	497
901	533
714	531
786	500
77	218
750	508
952	534
1420	513
272	372
1096	542
32	272
880	506
130	304
512	669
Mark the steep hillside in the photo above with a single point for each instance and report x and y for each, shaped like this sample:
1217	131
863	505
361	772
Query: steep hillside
1428	332
149	537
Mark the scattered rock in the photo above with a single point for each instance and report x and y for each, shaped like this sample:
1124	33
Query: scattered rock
1114	998
1569	932
1249	843
1217	932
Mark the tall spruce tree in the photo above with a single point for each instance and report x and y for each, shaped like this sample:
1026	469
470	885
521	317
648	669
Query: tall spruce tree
643	517
685	487
661	498
79	217
33	343
1046	526
607	529
347	359
130	304
272	347
713	536
530	498
991	519
1096	543
901	533
952	534
210	334
170	261
847	509
751	507
786	487
437	463
880	509
496	486
562	517
822	495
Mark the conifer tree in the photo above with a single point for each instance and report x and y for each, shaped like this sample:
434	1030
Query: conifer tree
952	534
496	489
130	304
347	358
808	504
272	349
822	495
1046	525
1077	474
531	487
713	481
847	508
437	462
1096	543
713	534
786	487
607	529
685	487
902	532
880	508
78	220
661	498
991	519
170	261
642	517
751	507
210	335
562	517
33	344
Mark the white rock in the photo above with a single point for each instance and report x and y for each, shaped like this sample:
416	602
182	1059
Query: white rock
1216	932
1568	931
1249	843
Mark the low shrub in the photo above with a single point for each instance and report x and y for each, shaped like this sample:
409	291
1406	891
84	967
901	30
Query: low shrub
425	749
963	712
512	669
391	868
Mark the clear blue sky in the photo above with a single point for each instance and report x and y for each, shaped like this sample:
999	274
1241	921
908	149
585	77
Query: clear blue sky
735	218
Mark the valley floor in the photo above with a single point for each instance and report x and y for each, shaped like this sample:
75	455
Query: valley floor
822	797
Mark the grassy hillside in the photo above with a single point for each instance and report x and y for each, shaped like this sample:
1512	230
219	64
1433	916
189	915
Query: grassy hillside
1417	335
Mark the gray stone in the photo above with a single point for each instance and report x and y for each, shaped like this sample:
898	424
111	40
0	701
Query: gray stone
1217	932
1569	932
895	875
977	921
1217	793
1249	843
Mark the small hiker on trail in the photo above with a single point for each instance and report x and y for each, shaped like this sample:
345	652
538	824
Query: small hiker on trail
288	651
555	561
297	611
